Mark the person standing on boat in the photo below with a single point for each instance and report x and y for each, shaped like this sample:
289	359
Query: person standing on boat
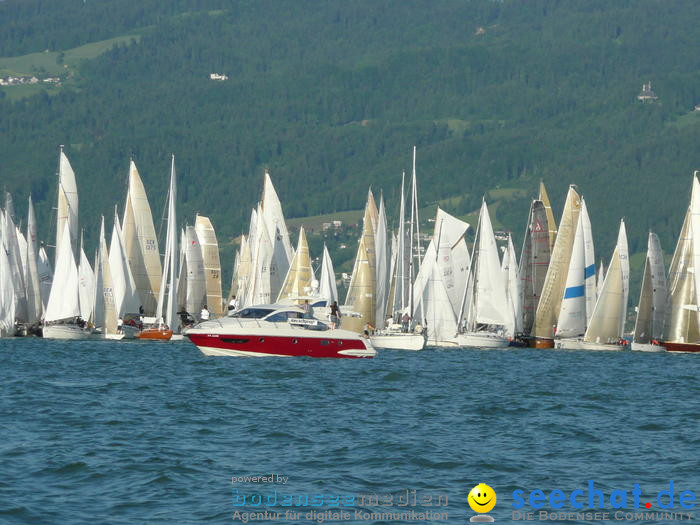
233	304
335	315
405	320
204	314
308	309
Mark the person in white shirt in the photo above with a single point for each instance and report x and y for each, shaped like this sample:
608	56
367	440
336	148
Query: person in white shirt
233	304
204	314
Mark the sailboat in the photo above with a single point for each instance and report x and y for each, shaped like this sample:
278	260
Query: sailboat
534	261
141	242
399	335
682	323
549	305
35	307
580	295
105	312
484	314
360	299
162	328
649	324
62	316
606	327
7	289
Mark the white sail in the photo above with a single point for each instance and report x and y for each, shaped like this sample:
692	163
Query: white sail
126	298
274	217
45	276
22	245
64	302
489	289
608	320
167	311
327	285
212	264
659	286
7	291
34	304
67	210
105	313
509	267
572	314
382	265
86	286
141	242
589	282
12	247
243	271
196	285
600	279
453	257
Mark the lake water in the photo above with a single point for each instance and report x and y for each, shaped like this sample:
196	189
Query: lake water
115	432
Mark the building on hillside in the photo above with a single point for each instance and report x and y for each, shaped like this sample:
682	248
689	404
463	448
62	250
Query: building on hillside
217	76
647	94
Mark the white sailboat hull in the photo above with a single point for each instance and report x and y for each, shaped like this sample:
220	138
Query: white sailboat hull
65	331
580	344
481	340
646	347
398	341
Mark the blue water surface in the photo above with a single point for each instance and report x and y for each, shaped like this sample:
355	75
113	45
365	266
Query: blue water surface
124	433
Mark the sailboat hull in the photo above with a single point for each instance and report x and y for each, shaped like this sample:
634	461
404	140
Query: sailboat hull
155	334
580	344
682	347
65	331
646	347
398	341
482	340
541	342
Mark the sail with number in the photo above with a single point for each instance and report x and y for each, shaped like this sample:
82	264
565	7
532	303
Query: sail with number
105	313
141	242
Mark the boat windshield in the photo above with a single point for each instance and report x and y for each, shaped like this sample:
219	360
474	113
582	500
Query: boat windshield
252	313
281	317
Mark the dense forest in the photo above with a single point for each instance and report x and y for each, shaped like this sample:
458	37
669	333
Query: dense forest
331	96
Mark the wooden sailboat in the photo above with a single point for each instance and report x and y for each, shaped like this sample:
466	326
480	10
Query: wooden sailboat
682	325
649	324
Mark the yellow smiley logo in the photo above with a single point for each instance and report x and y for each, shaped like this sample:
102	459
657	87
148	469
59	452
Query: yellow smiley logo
482	498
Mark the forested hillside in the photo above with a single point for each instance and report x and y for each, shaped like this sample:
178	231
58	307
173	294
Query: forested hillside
331	96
